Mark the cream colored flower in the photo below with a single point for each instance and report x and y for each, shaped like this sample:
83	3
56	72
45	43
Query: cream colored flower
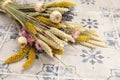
56	17
22	41
39	7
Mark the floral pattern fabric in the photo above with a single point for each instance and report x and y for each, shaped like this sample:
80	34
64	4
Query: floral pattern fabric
90	64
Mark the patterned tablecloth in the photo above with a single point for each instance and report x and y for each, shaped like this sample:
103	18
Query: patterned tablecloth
98	64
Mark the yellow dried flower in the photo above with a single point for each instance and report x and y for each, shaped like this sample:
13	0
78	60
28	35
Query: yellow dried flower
18	56
58	51
30	27
82	38
48	22
30	60
63	4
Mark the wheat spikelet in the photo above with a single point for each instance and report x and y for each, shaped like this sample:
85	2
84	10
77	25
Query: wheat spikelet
74	26
45	47
30	60
56	39
48	22
80	27
60	9
49	42
63	4
18	55
101	44
88	45
61	34
93	37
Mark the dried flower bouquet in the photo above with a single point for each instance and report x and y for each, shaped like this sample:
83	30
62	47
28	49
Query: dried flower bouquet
47	27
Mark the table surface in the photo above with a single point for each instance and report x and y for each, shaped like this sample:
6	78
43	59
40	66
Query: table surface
98	64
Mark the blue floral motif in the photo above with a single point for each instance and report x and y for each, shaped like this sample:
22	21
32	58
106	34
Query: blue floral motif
110	12
49	69
46	0
106	12
90	23
13	33
68	71
115	74
47	78
88	2
111	38
92	56
3	27
3	68
14	36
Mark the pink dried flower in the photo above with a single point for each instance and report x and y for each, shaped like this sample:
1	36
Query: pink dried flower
75	34
37	46
24	32
30	39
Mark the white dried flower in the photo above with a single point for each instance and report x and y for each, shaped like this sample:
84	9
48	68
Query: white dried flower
22	41
56	17
39	7
45	47
5	2
61	34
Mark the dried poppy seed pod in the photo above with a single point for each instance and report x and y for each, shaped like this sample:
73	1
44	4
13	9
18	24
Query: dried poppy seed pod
39	7
22	41
56	17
